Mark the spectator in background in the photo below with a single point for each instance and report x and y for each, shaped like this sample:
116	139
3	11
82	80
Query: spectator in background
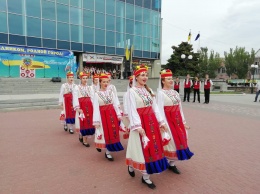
207	84
187	83
257	90
176	85
196	89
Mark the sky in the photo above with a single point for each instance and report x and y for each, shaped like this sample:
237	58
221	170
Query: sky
223	24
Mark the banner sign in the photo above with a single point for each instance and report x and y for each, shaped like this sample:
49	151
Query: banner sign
93	58
34	51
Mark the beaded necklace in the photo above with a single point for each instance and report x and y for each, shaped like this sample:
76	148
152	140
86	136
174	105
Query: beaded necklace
144	95
172	95
84	90
105	96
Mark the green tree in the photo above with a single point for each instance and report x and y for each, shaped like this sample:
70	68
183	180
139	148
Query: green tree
208	63
238	61
181	67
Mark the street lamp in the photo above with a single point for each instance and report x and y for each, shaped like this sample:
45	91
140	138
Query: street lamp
183	56
253	68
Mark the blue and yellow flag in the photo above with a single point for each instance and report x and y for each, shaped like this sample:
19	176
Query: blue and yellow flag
189	37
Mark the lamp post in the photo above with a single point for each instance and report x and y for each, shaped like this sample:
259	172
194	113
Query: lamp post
253	68
183	56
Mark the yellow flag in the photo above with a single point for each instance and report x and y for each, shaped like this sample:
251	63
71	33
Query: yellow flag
127	53
189	37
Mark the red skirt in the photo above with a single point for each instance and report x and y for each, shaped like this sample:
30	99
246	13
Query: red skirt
110	128
174	119
86	126
155	160
69	110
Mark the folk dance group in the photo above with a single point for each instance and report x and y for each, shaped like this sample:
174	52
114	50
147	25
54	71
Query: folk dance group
156	127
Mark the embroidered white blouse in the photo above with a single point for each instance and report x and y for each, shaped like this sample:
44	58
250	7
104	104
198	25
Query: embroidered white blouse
65	89
82	91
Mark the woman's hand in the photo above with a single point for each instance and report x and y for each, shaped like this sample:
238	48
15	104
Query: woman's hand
80	111
187	127
163	128
119	118
141	131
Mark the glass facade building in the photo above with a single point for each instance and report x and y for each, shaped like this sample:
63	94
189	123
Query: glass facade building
84	26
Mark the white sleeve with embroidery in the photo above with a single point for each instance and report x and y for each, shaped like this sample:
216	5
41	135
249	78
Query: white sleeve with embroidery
61	99
96	111
160	104
75	97
157	112
124	104
135	121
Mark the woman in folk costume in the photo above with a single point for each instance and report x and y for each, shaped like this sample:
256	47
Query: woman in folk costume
145	149
83	104
95	84
169	103
65	101
105	119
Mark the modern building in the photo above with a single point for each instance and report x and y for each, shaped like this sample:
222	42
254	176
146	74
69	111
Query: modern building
96	31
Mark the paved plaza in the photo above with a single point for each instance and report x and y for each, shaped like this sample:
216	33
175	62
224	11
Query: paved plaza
37	156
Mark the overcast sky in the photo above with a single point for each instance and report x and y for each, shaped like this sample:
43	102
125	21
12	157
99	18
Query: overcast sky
223	24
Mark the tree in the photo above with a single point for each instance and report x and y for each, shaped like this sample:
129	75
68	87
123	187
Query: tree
238	61
181	67
209	63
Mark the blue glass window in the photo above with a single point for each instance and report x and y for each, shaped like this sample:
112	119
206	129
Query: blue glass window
76	33
88	35
138	14
155	32
33	8
48	29
147	4
146	30
63	31
156	4
88	4
120	40
3	26
110	22
100	5
130	1
76	3
120	9
88	48
110	50
138	28
100	49
100	20
155	17
62	13
138	53
110	7
138	42
63	1
88	18
75	16
146	54
120	24
146	44
33	27
15	6
15	39
49	43
110	38
146	16
130	12
16	24
129	39
99	37
76	46
63	45
31	41
48	10
3	38
120	51
155	45
2	5
139	2
130	26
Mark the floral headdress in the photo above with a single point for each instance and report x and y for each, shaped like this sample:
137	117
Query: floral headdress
166	73
103	75
95	76
69	73
82	74
140	69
